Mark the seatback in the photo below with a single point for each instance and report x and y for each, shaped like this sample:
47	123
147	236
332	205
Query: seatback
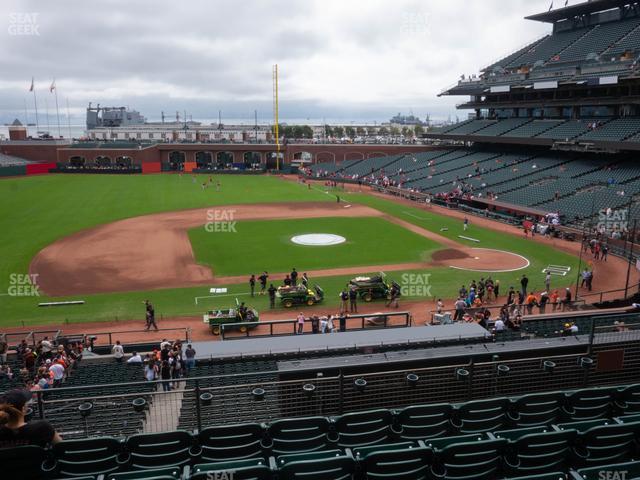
607	443
337	468
420	422
93	456
628	399
540	452
589	404
481	416
24	461
626	471
299	435
406	464
249	469
537	409
469	461
364	428
230	442
170	473
157	450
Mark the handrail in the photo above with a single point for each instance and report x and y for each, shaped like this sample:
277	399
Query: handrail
294	323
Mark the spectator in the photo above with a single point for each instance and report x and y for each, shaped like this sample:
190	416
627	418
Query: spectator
165	375
460	307
190	358
135	358
554	300
566	302
4	348
353	300
530	302
14	430
499	325
300	323
544	299
524	281
344	296
315	324
118	352
323	324
151	370
57	371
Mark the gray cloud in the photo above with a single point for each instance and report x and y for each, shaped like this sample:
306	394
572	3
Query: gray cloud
362	59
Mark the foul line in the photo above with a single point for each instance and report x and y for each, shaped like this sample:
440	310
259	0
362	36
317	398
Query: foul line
415	216
528	263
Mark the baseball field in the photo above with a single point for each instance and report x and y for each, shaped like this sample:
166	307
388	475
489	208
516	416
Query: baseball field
114	240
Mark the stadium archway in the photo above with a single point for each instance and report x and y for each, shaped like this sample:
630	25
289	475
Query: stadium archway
324	157
302	158
176	160
252	159
124	161
102	161
354	156
272	164
204	160
77	161
224	160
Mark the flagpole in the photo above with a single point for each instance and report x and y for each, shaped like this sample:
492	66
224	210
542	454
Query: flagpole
35	103
46	111
26	116
55	90
68	119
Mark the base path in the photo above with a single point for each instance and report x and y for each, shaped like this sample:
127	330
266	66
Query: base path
152	251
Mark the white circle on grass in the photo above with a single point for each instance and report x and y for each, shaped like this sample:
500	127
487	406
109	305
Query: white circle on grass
318	239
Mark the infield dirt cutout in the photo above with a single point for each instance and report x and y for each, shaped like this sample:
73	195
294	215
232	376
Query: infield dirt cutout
154	251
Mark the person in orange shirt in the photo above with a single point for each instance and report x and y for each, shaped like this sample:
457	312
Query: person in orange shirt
530	302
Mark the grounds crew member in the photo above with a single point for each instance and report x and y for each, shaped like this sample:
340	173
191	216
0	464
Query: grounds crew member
344	296
150	315
294	277
263	282
272	296
252	284
353	300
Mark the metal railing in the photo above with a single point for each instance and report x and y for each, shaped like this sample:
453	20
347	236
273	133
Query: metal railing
274	328
194	404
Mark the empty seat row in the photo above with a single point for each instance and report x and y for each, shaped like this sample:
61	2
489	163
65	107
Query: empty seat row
495	455
436	425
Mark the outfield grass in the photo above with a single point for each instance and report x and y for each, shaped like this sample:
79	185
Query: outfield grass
266	245
35	211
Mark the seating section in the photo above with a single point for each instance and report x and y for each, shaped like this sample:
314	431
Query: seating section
531	436
550	46
614	131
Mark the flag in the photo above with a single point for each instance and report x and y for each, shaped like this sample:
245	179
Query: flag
31	88
53	86
551	6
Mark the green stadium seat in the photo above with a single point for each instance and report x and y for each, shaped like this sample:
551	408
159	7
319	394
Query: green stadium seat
405	464
628	399
589	404
517	433
538	453
423	421
337	468
171	473
299	457
80	458
249	469
481	416
361	452
469	461
607	444
442	442
364	428
230	442
27	459
537	409
547	476
618	471
158	450
299	435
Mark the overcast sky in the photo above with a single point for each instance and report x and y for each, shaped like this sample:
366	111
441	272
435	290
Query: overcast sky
339	59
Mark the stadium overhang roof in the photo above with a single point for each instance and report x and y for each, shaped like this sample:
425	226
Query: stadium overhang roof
578	10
